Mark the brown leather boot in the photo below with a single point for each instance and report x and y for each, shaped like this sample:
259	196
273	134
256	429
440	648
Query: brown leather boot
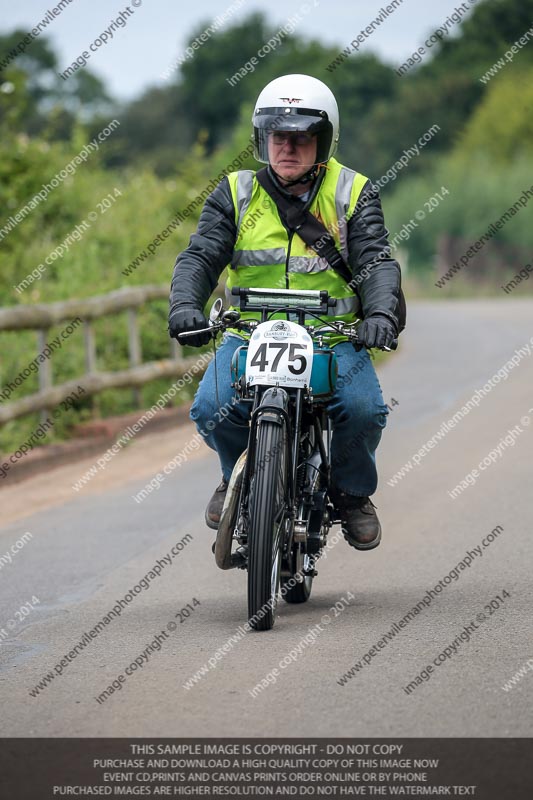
359	521
214	508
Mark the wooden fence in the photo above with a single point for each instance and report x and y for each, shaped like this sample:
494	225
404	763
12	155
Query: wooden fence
42	317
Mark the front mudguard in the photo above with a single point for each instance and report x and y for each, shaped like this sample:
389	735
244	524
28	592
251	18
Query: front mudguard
274	405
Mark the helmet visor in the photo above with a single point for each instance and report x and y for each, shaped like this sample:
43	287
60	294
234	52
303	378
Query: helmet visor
269	121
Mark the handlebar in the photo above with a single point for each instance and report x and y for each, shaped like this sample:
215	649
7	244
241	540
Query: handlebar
231	319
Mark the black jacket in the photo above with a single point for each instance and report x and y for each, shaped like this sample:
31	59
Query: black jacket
376	274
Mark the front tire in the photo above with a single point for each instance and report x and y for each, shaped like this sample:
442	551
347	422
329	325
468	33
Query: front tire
267	515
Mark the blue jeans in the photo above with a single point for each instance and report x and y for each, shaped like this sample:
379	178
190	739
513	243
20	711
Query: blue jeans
357	412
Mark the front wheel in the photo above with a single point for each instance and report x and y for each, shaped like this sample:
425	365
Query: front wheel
267	515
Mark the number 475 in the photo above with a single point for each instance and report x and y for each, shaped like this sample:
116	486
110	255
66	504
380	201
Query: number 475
261	359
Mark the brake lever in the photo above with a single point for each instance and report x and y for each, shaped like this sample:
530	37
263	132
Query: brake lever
393	345
214	329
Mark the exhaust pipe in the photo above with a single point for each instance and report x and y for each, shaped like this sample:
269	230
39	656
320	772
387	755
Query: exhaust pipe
228	519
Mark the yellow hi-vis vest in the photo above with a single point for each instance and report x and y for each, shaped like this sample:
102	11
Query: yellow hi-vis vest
262	257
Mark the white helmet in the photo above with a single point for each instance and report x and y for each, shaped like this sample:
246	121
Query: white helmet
301	104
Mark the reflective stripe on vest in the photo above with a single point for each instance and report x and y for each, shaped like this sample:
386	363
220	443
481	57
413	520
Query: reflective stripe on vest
244	193
251	258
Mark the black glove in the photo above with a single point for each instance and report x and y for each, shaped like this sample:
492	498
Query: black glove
188	318
377	330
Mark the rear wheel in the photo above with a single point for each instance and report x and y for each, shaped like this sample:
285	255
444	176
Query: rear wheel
267	516
297	588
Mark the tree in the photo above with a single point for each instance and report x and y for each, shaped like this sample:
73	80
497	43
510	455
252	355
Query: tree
501	128
35	100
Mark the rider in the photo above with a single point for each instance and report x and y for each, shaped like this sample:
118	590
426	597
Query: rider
296	131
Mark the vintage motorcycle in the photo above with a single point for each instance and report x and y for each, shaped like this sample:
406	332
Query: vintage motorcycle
278	511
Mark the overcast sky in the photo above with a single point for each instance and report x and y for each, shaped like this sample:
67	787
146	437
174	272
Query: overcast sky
156	32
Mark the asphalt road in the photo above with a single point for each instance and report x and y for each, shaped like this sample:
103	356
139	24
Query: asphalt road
89	548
